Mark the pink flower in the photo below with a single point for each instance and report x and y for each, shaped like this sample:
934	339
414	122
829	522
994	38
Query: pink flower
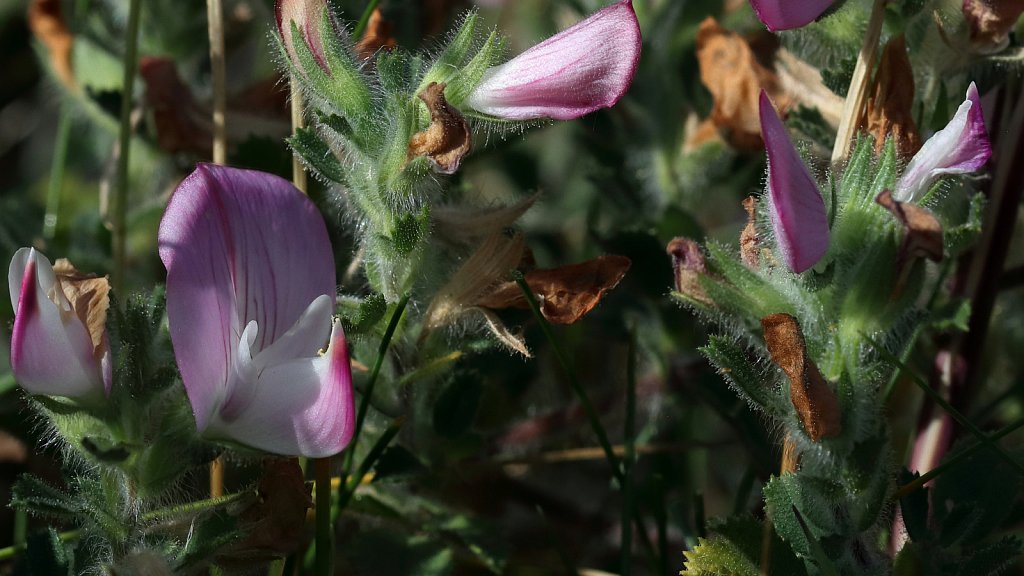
579	70
788	14
796	209
308	16
250	293
59	346
961	147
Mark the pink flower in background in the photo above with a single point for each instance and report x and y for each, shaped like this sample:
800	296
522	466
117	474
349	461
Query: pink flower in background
961	147
250	294
308	16
788	14
584	68
59	346
796	208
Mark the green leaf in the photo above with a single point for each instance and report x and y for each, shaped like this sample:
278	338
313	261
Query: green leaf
462	85
317	154
952	316
35	496
751	384
46	554
735	549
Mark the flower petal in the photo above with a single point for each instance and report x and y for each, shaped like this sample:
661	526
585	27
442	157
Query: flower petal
961	147
51	351
788	14
303	407
796	210
308	16
579	70
239	246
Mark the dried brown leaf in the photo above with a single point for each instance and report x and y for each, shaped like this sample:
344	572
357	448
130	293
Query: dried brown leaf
922	236
181	123
731	72
790	456
815	402
447	140
47	25
90	298
890	108
990	22
566	293
377	35
276	521
687	268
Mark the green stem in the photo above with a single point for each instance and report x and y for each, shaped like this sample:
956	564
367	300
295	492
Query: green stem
364	403
324	540
56	185
938	399
348	489
588	407
11	552
121	197
357	33
953	461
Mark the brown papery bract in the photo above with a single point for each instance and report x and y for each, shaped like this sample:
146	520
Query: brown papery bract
90	300
377	35
566	293
47	24
922	235
815	402
890	109
448	139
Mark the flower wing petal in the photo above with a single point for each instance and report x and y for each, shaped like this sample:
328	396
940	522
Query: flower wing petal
239	246
796	210
581	69
303	407
961	147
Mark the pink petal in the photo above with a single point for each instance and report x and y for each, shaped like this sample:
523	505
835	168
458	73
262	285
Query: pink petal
788	14
579	70
961	147
308	17
239	246
51	351
797	210
304	407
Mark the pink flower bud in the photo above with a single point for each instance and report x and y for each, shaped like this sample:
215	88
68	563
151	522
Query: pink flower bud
584	68
788	14
308	16
796	209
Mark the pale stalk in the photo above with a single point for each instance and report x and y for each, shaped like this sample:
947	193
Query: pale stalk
120	215
298	121
856	96
215	25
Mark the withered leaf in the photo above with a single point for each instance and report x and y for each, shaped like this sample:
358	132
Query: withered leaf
750	247
275	522
815	402
181	124
377	35
47	25
922	236
731	72
465	225
790	456
566	293
991	21
890	108
687	268
447	140
90	298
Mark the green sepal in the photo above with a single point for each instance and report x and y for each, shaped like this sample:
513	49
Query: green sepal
460	86
36	497
396	69
316	154
961	237
450	61
762	298
751	384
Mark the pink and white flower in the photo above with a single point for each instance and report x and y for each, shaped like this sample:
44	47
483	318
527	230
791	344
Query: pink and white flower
796	209
961	147
54	349
250	293
575	72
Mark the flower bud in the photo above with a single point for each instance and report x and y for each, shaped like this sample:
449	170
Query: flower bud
584	68
59	346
